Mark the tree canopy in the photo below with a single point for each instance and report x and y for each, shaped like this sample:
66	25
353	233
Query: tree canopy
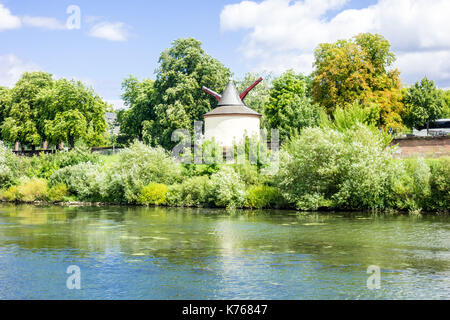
424	103
39	109
359	70
290	107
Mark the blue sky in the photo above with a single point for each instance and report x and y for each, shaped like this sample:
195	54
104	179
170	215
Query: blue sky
118	38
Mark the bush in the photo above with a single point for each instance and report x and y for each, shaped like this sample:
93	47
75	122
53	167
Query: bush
83	180
11	194
58	192
323	167
154	193
138	166
262	196
439	184
44	165
32	190
9	166
411	188
193	192
227	189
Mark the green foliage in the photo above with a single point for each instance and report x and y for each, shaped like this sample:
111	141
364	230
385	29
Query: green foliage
411	188
58	192
424	103
154	193
32	190
323	167
136	167
259	96
440	184
183	69
83	180
24	114
343	119
9	166
136	121
227	189
44	165
193	192
263	196
290	108
11	194
72	111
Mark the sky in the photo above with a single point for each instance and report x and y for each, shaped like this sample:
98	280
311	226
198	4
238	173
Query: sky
102	42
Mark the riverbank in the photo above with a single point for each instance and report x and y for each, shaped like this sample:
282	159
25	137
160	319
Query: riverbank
320	169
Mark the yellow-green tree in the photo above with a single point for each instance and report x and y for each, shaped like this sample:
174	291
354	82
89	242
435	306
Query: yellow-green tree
359	70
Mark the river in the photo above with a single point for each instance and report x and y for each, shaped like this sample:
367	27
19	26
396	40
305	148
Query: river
175	253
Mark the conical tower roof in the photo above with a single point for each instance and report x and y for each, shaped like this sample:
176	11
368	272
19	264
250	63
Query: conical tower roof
231	104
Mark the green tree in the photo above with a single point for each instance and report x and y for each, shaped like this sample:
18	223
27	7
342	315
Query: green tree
359	70
139	97
424	103
71	111
179	101
22	120
5	103
290	108
446	110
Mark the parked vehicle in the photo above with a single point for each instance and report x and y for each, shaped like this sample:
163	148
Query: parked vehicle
439	127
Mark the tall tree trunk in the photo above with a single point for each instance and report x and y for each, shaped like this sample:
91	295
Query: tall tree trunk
428	127
16	146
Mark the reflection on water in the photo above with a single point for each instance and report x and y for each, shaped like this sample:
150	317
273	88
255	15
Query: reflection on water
160	253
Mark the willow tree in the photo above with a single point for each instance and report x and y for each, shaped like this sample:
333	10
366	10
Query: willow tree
178	100
359	70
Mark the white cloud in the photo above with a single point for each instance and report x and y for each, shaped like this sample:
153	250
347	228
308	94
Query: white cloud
117	31
11	68
283	34
7	20
43	23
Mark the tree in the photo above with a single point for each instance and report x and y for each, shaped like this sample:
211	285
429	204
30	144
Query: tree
22	120
290	108
179	101
5	103
446	97
424	103
358	70
139	97
259	96
71	111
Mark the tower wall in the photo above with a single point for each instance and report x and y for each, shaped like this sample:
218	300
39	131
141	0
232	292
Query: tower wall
228	128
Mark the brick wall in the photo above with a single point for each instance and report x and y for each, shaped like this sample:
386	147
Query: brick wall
429	147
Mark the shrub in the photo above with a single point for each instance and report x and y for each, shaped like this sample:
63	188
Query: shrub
138	166
32	190
440	184
11	194
227	189
193	192
83	180
154	193
9	166
262	196
58	192
411	188
44	165
249	173
323	167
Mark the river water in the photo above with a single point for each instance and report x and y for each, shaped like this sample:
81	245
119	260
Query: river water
160	253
